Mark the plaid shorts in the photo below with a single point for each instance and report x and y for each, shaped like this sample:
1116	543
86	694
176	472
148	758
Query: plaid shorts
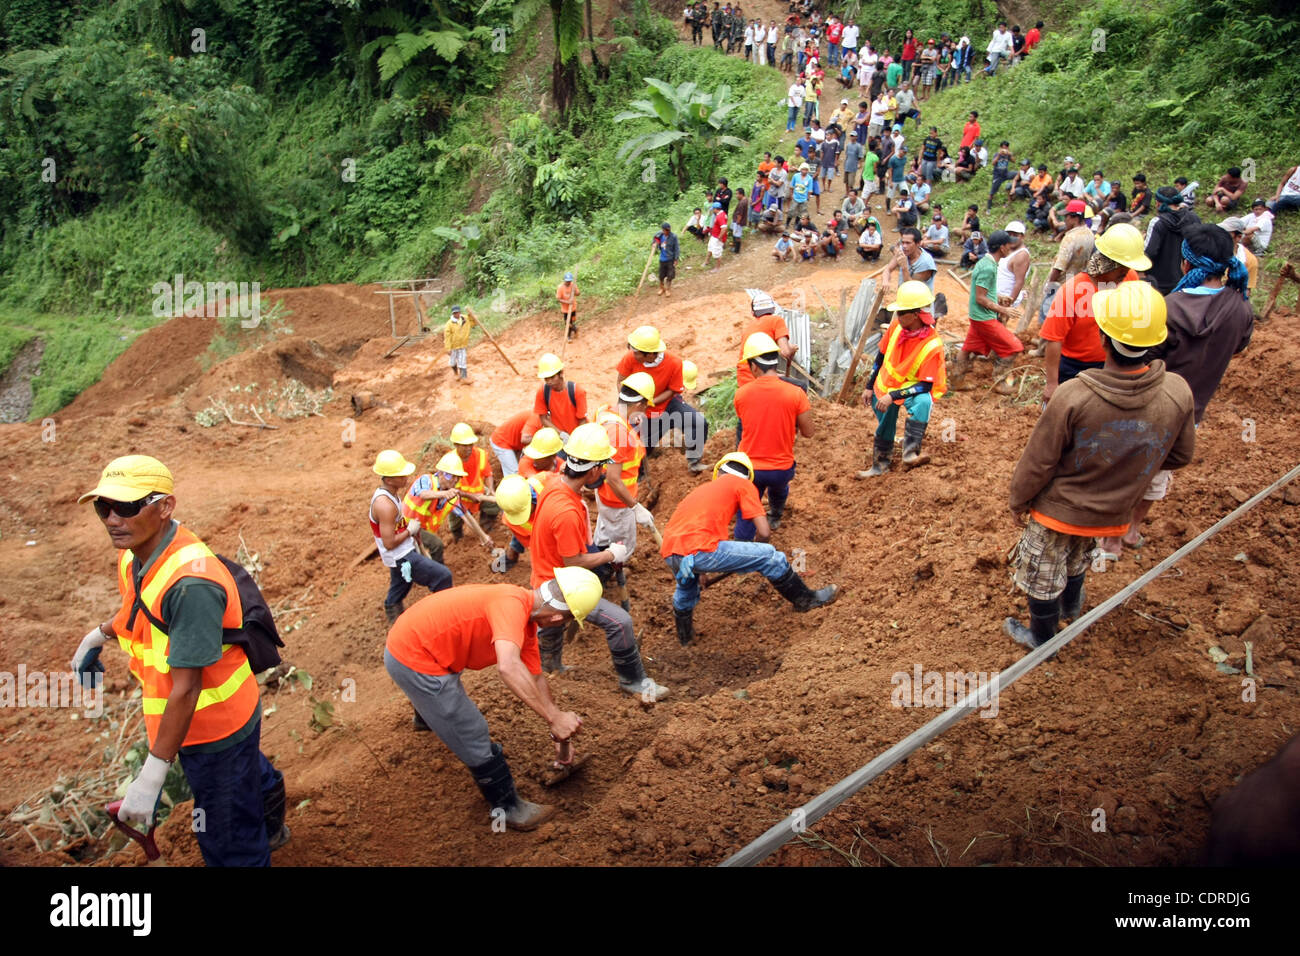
1044	558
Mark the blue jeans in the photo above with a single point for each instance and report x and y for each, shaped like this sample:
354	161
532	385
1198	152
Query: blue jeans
1070	368
677	414
832	54
794	114
414	568
918	407
232	787
776	485
741	556
1282	204
993	63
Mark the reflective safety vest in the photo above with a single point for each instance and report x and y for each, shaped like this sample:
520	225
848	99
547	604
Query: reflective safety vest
621	436
228	695
477	469
891	377
428	512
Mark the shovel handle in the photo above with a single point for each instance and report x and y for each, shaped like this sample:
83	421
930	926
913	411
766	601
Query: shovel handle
145	840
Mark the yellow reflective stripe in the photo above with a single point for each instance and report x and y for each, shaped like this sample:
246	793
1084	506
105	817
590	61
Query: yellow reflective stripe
891	371
155	655
189	553
211	695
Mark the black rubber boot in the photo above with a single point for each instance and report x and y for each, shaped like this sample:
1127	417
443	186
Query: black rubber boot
774	516
392	612
1072	598
497	785
632	678
273	804
792	588
552	650
879	461
1043	616
913	432
685	626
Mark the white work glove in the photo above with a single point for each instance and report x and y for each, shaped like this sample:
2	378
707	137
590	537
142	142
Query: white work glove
642	514
142	796
95	639
413	527
619	551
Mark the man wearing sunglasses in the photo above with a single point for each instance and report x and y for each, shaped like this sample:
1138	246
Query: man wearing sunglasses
200	697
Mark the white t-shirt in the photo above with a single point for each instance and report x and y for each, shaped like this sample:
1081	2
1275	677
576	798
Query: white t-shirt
983	155
1006	278
878	110
749	35
1292	186
1072	186
871	58
773	35
795	95
850	39
869	240
1264	221
1001	42
819	136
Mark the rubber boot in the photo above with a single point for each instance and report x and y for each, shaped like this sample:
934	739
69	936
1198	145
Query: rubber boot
632	678
1072	598
497	785
552	650
418	722
393	612
774	516
792	588
1001	367
685	626
1043	616
959	380
273	806
879	461
913	432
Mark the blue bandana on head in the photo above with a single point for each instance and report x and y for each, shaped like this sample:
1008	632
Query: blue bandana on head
1203	267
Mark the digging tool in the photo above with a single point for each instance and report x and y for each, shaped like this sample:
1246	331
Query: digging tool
959	280
644	272
1288	272
482	535
568	327
562	769
654	530
145	840
488	335
709	582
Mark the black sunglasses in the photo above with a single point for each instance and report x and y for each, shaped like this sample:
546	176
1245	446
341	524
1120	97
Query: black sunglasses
124	509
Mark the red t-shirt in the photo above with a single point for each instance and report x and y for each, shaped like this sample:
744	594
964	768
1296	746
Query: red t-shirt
456	629
1031	39
774	326
1070	319
834	32
564	414
667	375
909	50
970	132
719	228
704	516
561	528
768	408
510	433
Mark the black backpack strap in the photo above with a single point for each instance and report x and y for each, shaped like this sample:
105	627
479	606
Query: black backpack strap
573	398
546	398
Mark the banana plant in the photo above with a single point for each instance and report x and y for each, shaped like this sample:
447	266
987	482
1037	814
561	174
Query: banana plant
685	115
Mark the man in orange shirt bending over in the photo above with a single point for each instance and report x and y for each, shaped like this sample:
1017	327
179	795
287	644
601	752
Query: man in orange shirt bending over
771	411
1073	340
695	542
648	353
473	627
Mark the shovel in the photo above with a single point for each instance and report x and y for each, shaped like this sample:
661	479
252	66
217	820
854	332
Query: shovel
558	772
144	839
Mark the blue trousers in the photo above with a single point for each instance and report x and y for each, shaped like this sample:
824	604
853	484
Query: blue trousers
677	414
918	407
794	110
742	556
776	485
414	568
232	787
1070	368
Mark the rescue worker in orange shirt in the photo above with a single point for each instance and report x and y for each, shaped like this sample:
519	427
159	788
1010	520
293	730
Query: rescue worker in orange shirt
695	542
509	438
517	497
617	510
540	457
567	292
561	405
771	412
648	353
562	538
768	320
200	697
1073	341
477	485
473	627
909	371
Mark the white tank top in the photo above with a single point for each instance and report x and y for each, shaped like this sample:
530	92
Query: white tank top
390	558
1007	279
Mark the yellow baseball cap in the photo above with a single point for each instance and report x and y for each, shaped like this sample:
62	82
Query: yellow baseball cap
131	478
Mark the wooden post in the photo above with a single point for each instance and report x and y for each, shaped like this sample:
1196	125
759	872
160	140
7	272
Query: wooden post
958	279
1287	273
474	319
1037	283
862	341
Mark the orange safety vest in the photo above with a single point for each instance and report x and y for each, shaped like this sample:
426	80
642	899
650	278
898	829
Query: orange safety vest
229	693
621	435
891	378
476	480
428	512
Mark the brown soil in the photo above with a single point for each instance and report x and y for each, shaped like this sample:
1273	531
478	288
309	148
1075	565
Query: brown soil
1133	717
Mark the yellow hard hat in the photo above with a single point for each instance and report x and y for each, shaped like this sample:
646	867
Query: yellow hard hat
133	477
1123	243
546	441
515	496
690	374
1132	313
641	383
646	339
911	295
389	463
760	343
740	458
548	365
588	443
450	463
462	434
580	591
